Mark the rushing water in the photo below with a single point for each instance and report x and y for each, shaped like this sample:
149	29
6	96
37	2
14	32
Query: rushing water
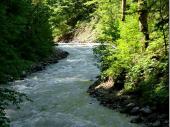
59	95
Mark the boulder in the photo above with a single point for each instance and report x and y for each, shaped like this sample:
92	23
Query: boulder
36	68
166	122
146	110
130	105
135	111
163	116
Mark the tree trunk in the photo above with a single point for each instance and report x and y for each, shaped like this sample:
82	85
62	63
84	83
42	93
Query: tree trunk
123	9
143	16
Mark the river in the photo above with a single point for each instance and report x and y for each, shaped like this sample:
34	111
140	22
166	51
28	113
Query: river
59	95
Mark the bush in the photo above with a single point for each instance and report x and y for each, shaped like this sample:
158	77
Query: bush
25	36
134	69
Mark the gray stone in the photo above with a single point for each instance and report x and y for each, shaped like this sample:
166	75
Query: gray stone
130	105
163	116
156	124
166	122
146	110
135	111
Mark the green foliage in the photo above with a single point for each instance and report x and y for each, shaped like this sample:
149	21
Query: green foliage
7	98
37	37
107	19
149	77
66	14
114	60
27	28
25	38
143	71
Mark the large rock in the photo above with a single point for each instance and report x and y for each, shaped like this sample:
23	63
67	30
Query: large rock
146	110
130	105
163	116
135	111
61	54
166	122
37	67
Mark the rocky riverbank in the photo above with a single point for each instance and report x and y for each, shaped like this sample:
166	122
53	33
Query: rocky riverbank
148	116
57	55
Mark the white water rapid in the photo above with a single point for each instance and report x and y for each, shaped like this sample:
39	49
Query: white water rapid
59	95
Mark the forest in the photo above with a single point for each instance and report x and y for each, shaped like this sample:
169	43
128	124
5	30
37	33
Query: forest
133	53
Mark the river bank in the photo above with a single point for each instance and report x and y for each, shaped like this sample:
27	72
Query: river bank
11	96
150	116
57	55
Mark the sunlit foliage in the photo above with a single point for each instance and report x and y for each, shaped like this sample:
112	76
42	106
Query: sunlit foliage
134	69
